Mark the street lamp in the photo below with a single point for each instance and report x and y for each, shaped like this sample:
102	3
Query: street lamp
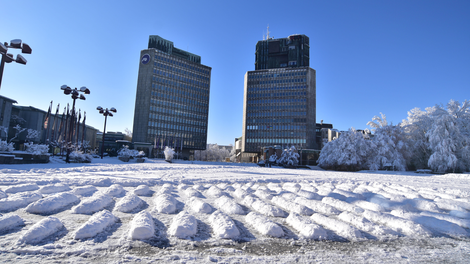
8	57
75	95
106	113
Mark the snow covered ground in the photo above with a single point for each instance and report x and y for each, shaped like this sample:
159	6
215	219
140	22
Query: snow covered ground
200	212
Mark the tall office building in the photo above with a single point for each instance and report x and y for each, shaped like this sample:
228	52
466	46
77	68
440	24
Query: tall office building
172	100
280	96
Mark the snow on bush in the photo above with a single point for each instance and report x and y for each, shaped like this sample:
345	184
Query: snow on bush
80	157
184	225
93	204
95	225
228	205
11	221
128	203
59	187
52	203
18	200
339	227
142	226
41	230
165	203
22	188
306	227
263	225
143	190
5	146
214	153
199	206
289	157
130	153
169	153
36	149
223	226
114	190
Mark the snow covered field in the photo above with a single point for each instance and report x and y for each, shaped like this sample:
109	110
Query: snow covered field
114	212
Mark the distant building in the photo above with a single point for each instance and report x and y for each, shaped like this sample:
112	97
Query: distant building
172	99
279	98
6	105
322	132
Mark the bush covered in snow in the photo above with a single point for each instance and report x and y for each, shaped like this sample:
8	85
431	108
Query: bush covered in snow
289	157
214	152
437	138
80	157
169	153
36	149
130	153
5	146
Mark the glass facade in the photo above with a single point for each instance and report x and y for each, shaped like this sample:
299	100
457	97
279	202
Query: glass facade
292	51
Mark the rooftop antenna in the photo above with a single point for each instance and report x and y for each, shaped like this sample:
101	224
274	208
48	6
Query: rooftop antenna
267	37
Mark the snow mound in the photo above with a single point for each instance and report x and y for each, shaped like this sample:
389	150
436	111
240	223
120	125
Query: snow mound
22	188
343	206
128	203
263	225
363	224
308	187
318	206
142	190
228	205
165	189
262	207
223	226
369	206
142	226
424	205
93	204
52	203
263	194
276	187
190	192
306	227
291	206
339	227
84	190
452	203
114	190
165	203
184	225
18	200
54	188
309	195
291	187
458	221
215	192
96	224
10	221
240	193
348	194
199	206
460	214
3	194
41	230
398	224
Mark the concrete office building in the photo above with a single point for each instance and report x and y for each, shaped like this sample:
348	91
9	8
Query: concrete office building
280	97
172	100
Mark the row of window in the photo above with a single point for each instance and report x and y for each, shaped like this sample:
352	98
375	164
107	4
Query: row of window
177	73
176	127
179	98
282	81
204	83
277	127
178	83
277	101
264	74
183	89
277	140
257	108
179	113
275	114
182	64
195	106
172	119
270	120
264	95
256	89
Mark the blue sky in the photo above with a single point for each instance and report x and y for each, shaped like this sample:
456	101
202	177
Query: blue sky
370	56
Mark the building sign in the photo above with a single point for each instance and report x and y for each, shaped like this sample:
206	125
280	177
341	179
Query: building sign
145	59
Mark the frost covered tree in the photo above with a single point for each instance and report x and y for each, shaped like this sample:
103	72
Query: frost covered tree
389	147
350	151
449	138
289	157
169	153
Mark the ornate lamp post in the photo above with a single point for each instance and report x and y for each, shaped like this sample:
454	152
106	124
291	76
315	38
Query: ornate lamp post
75	95
106	113
8	57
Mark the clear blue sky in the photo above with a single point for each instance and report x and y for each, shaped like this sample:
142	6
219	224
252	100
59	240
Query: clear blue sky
370	56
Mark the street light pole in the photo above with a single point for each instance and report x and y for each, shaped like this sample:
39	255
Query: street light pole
8	57
106	113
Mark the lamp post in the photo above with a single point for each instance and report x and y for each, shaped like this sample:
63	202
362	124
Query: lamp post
75	95
106	113
8	57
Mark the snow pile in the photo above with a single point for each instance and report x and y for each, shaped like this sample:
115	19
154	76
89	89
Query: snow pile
365	225
318	206
309	195
276	187
18	200
41	230
165	203
240	193
262	207
424	205
263	225
398	224
339	227
114	190
199	206
369	206
54	188
223	226
449	218
93	204
128	203
165	189
3	194
307	187
142	190
184	225
460	214
52	203
291	187
306	227
215	192
22	188
190	192
228	205
348	194
263	194
451	203
343	206
291	206
142	226
11	221
84	190
96	224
